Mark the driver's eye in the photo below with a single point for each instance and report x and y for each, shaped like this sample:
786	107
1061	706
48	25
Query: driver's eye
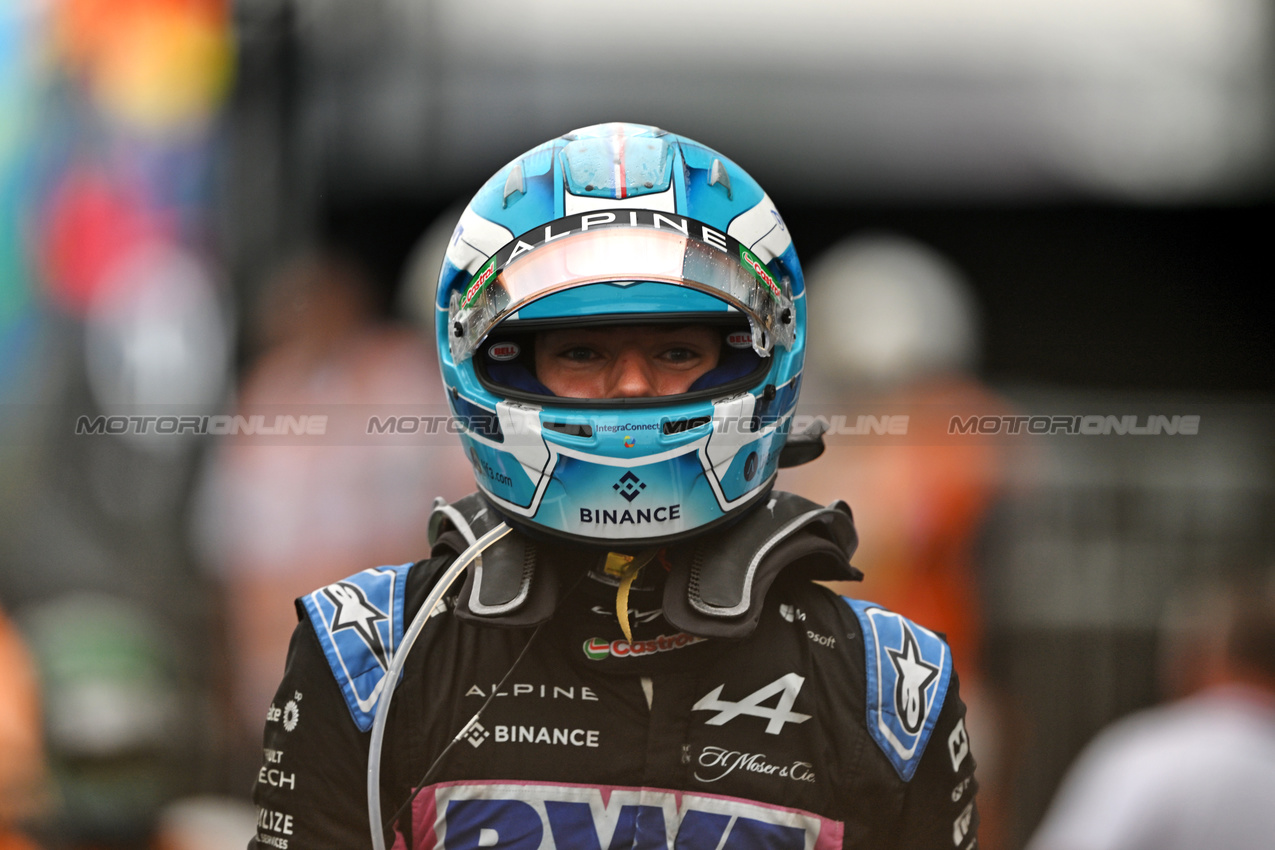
680	355
579	354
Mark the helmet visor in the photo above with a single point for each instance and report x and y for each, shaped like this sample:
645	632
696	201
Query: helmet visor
620	246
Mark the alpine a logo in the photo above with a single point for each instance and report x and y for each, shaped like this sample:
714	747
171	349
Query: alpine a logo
787	687
629	486
596	649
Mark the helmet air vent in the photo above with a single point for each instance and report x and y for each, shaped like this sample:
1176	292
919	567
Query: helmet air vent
717	176
677	426
514	184
570	429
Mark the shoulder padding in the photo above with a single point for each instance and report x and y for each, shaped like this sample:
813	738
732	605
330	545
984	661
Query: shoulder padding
909	668
359	622
470	517
509	585
721	593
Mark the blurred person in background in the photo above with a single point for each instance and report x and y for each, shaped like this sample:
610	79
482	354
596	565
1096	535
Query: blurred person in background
205	823
95	762
1198	772
640	632
23	774
111	302
898	333
280	518
113	717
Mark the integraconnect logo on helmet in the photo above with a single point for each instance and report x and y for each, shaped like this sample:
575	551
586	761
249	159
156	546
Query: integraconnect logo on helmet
754	264
479	283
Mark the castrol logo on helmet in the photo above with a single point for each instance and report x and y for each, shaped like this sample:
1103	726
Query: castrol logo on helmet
754	264
504	351
740	339
479	283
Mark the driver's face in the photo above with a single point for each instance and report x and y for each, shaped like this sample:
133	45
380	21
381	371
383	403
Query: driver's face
625	361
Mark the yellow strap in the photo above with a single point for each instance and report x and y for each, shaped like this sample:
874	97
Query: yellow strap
628	567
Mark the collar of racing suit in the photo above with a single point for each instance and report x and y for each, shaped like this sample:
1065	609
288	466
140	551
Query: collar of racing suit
715	584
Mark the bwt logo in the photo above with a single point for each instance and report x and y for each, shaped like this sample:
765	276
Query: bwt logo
531	817
629	486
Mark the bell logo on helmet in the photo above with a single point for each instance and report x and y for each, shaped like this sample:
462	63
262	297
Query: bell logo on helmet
740	339
629	486
504	351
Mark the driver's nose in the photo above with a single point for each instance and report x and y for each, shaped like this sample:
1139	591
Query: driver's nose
631	375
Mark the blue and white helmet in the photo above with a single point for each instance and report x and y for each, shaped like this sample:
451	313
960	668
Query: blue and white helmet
621	224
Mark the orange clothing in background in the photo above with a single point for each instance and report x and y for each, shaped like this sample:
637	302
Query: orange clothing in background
22	770
920	501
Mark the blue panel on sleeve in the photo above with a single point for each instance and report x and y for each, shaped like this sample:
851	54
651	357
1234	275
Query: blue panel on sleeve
909	668
359	621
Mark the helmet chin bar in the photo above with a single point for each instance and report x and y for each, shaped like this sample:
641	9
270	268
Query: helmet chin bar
536	531
631	481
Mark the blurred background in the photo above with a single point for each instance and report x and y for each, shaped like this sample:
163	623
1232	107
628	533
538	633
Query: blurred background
1038	208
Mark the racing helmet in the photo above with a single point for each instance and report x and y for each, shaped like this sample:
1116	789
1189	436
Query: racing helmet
621	225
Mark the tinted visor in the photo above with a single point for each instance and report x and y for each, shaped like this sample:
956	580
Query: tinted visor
620	246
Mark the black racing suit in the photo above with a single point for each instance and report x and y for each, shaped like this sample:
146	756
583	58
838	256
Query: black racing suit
834	724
